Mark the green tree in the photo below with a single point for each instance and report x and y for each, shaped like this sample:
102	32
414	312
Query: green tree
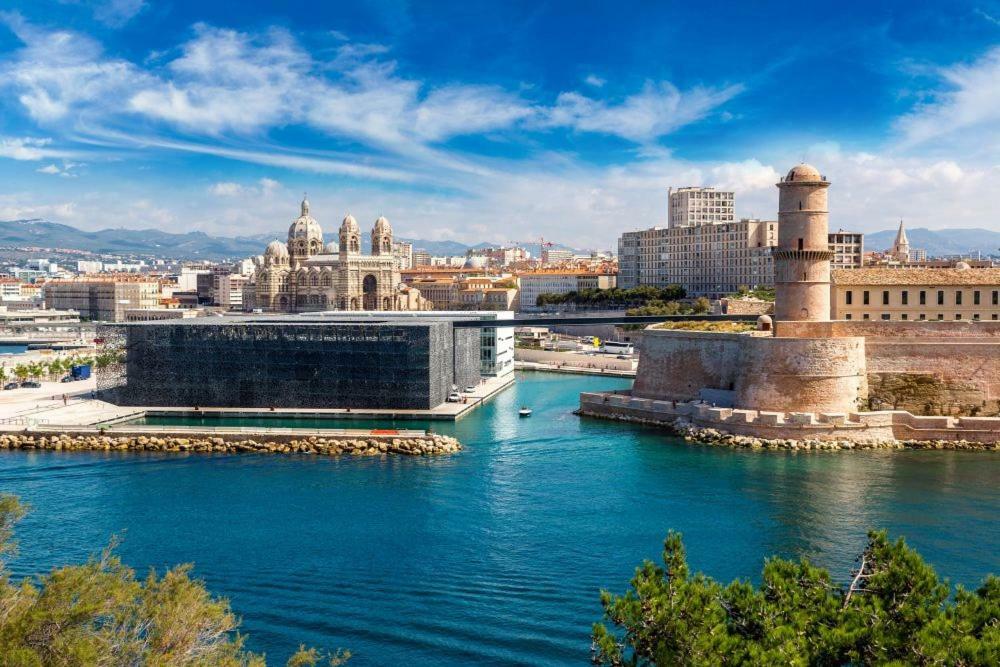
100	613
893	611
22	372
701	306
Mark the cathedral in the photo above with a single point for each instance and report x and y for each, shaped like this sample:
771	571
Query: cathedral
303	275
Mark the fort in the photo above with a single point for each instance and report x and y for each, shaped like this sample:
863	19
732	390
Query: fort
802	374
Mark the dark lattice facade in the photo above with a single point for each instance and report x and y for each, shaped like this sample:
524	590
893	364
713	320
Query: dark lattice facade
287	364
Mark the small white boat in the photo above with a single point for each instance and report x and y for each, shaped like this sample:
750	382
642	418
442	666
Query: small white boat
524	411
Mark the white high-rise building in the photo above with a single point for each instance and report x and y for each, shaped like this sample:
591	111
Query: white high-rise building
691	206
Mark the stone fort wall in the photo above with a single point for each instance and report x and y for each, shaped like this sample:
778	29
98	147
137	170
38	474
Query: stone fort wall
927	368
761	372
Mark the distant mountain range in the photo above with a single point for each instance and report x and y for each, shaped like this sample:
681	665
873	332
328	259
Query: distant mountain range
156	243
940	242
198	245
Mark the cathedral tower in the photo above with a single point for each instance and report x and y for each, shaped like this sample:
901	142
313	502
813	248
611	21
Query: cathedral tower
802	258
382	237
350	236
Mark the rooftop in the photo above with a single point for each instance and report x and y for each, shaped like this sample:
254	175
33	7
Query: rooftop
916	276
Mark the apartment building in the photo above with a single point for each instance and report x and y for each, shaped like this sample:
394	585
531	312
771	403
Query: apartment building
559	282
848	249
102	299
690	207
715	259
706	259
885	293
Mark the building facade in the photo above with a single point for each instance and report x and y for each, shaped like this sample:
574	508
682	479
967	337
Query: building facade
102	299
536	283
304	275
716	259
848	249
690	207
890	294
291	362
706	259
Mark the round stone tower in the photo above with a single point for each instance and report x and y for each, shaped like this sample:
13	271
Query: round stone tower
802	258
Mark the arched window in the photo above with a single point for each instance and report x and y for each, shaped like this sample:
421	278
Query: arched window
327	279
386	304
314	280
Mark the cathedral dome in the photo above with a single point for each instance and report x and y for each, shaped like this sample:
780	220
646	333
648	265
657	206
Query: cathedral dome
382	226
803	172
331	248
276	252
305	226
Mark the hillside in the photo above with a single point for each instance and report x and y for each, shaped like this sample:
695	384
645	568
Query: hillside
940	242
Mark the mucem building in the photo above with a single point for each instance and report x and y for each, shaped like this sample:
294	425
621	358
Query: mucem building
287	362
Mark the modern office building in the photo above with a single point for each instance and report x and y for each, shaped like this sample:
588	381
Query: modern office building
690	207
308	361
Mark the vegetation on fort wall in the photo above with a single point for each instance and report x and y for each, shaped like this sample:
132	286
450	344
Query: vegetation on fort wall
892	610
719	327
701	306
100	613
614	297
762	293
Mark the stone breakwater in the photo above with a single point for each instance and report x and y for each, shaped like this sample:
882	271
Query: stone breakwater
427	445
711	436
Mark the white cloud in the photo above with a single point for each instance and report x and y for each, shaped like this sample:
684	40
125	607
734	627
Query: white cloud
657	110
595	81
116	13
263	187
966	107
25	148
49	169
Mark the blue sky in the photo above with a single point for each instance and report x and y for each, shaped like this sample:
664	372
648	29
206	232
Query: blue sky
492	121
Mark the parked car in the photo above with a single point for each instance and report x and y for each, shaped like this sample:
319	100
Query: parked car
470	389
31	384
454	397
11	385
68	378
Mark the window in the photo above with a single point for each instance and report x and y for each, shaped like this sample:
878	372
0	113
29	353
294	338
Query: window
885	299
975	298
906	298
866	298
940	297
940	316
994	316
865	316
885	316
923	316
976	317
923	298
800	240
958	297
848	316
849	297
996	297
958	316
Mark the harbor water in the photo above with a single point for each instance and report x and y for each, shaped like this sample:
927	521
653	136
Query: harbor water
495	555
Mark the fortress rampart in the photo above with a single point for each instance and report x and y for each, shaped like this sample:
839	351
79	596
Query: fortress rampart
754	372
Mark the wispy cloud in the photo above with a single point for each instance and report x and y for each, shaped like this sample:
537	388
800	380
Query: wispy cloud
966	102
657	110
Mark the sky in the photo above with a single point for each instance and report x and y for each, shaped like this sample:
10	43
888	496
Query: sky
497	122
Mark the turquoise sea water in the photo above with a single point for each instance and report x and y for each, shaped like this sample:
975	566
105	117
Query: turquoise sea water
495	555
